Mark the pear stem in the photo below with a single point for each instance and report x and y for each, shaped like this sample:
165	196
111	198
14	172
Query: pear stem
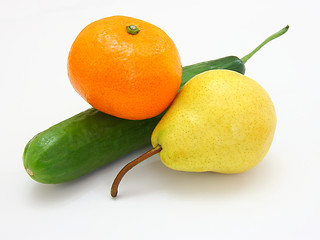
126	168
273	36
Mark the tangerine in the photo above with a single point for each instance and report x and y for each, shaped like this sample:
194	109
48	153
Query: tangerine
125	67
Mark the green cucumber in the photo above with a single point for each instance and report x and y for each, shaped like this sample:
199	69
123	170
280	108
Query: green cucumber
91	139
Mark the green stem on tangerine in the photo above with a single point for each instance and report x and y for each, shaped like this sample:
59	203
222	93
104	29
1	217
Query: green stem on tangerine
273	36
132	29
126	168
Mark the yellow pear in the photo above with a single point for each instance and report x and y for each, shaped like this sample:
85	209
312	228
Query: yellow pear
221	121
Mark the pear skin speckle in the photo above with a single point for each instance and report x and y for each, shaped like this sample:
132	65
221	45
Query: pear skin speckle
220	121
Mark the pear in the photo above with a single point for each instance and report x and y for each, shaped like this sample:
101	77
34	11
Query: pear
220	121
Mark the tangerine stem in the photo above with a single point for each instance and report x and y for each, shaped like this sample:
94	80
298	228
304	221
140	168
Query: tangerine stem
126	168
132	29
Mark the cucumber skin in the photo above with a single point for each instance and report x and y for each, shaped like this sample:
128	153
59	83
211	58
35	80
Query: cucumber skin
92	139
231	63
84	143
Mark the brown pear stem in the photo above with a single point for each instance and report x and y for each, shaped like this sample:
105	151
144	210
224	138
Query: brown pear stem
126	168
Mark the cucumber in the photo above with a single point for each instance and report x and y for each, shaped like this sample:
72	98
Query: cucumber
91	139
83	143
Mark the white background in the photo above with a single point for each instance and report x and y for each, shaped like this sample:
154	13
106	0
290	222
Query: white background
278	199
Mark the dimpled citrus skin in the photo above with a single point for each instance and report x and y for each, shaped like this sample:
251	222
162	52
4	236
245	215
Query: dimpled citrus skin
124	75
220	121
